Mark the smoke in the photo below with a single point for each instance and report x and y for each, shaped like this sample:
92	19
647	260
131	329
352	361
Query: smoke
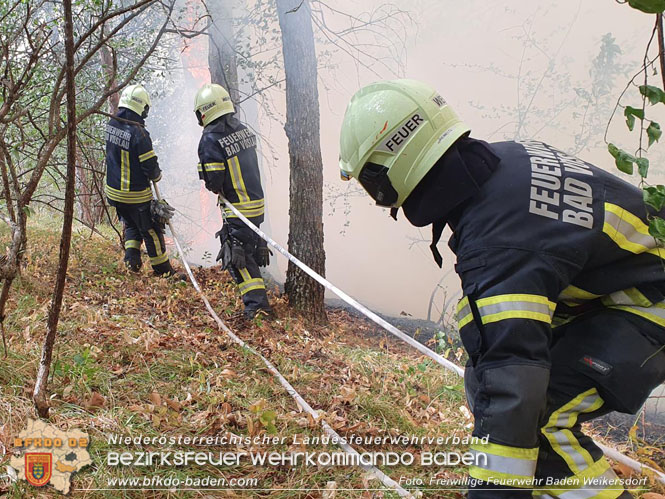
516	70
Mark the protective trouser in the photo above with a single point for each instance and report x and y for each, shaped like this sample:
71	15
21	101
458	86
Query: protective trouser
138	227
249	280
601	362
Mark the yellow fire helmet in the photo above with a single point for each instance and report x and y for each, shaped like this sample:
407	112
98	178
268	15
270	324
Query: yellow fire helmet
212	101
136	98
392	134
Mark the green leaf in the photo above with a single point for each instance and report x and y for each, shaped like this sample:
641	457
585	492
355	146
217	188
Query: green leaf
267	419
622	159
654	196
654	132
642	166
648	6
654	94
657	228
631	113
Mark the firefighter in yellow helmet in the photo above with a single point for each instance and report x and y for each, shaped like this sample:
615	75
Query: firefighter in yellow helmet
229	167
563	308
131	164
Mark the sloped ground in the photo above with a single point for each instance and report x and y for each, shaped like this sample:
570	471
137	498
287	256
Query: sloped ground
140	356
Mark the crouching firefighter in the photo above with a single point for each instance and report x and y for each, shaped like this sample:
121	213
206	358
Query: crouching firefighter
229	167
131	164
563	311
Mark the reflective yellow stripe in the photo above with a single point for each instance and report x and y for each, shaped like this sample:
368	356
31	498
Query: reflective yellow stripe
248	213
464	314
237	180
630	296
145	156
129	197
557	430
161	256
251	284
214	167
159	259
654	314
629	232
515	306
499	478
250	208
132	244
574	296
513	463
244	291
244	273
159	177
596	482
257	203
124	170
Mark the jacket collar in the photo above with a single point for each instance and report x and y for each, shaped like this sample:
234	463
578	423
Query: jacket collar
443	194
129	115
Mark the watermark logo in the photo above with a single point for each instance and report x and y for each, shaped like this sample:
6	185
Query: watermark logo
38	468
49	455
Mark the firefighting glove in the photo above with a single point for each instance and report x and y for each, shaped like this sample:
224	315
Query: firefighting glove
161	211
232	253
262	254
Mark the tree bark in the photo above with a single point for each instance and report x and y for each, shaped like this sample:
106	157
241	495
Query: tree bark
661	46
306	166
222	48
40	392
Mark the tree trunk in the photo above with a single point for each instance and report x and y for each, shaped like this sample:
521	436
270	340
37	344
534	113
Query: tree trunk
222	48
107	63
40	392
90	199
306	165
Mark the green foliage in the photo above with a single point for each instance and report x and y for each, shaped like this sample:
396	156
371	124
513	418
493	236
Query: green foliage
653	132
654	94
654	196
623	160
648	6
631	113
267	419
642	166
657	228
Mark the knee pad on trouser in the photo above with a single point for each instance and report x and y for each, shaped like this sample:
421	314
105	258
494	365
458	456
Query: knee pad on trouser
133	259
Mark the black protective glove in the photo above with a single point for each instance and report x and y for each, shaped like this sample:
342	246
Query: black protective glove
232	252
161	211
262	254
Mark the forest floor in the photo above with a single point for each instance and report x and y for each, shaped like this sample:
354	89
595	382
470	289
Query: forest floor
140	356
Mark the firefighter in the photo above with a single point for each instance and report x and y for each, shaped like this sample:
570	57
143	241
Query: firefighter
229	167
563	308
131	164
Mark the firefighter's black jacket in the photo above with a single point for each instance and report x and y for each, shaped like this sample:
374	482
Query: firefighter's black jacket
228	164
131	162
540	237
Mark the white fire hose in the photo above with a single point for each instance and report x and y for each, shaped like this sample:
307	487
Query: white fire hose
300	401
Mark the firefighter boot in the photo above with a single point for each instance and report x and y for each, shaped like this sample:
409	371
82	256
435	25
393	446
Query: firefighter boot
133	259
166	270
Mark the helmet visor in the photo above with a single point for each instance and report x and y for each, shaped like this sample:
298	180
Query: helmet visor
374	179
